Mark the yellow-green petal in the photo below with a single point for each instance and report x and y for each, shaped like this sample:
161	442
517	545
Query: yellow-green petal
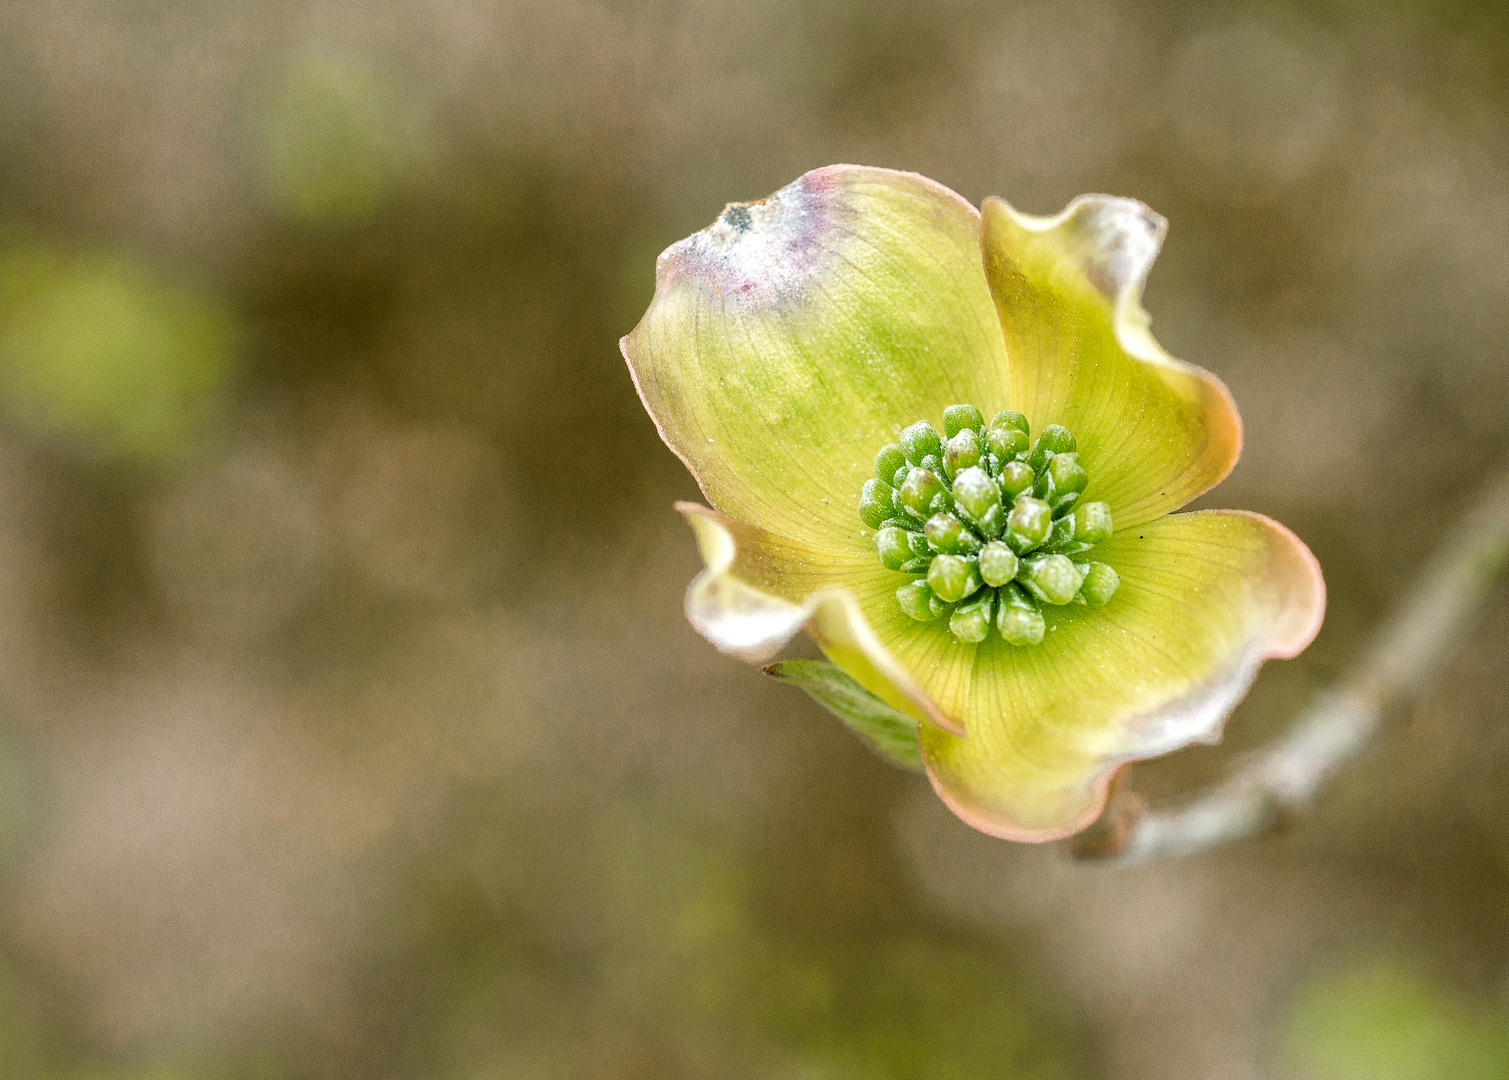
1153	431
760	589
795	336
1205	598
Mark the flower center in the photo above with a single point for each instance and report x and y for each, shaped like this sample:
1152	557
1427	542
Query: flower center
989	521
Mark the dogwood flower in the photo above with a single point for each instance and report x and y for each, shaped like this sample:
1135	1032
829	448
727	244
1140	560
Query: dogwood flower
945	442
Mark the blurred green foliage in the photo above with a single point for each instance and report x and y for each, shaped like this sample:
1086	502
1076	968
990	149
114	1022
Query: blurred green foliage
1383	1019
20	1049
108	1073
929	1008
646	945
99	350
334	139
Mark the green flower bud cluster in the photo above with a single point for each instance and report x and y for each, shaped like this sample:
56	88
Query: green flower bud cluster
990	521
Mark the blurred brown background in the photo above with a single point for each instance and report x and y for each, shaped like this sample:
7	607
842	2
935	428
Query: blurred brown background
349	726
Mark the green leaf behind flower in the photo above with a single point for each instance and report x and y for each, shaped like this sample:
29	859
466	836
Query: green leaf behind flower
889	732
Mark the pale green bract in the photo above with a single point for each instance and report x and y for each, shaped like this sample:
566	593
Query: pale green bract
796	336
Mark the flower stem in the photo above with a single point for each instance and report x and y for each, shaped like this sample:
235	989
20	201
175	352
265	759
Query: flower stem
1408	651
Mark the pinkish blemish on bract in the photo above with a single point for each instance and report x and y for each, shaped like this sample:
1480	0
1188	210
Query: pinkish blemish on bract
763	253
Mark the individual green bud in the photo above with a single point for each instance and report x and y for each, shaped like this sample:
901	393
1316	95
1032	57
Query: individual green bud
1055	439
1016	477
918	565
953	577
902	520
1052	578
920	440
1067	474
1010	418
978	499
888	461
961	452
918	601
948	534
1005	442
1062	504
1061	536
923	494
1028	524
894	547
957	418
970	621
998	563
1092	522
1018	619
877	502
934	463
1100	584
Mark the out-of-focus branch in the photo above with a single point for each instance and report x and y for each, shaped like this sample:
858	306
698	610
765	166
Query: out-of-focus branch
1283	779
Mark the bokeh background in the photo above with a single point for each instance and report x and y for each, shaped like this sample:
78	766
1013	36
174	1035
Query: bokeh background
349	726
